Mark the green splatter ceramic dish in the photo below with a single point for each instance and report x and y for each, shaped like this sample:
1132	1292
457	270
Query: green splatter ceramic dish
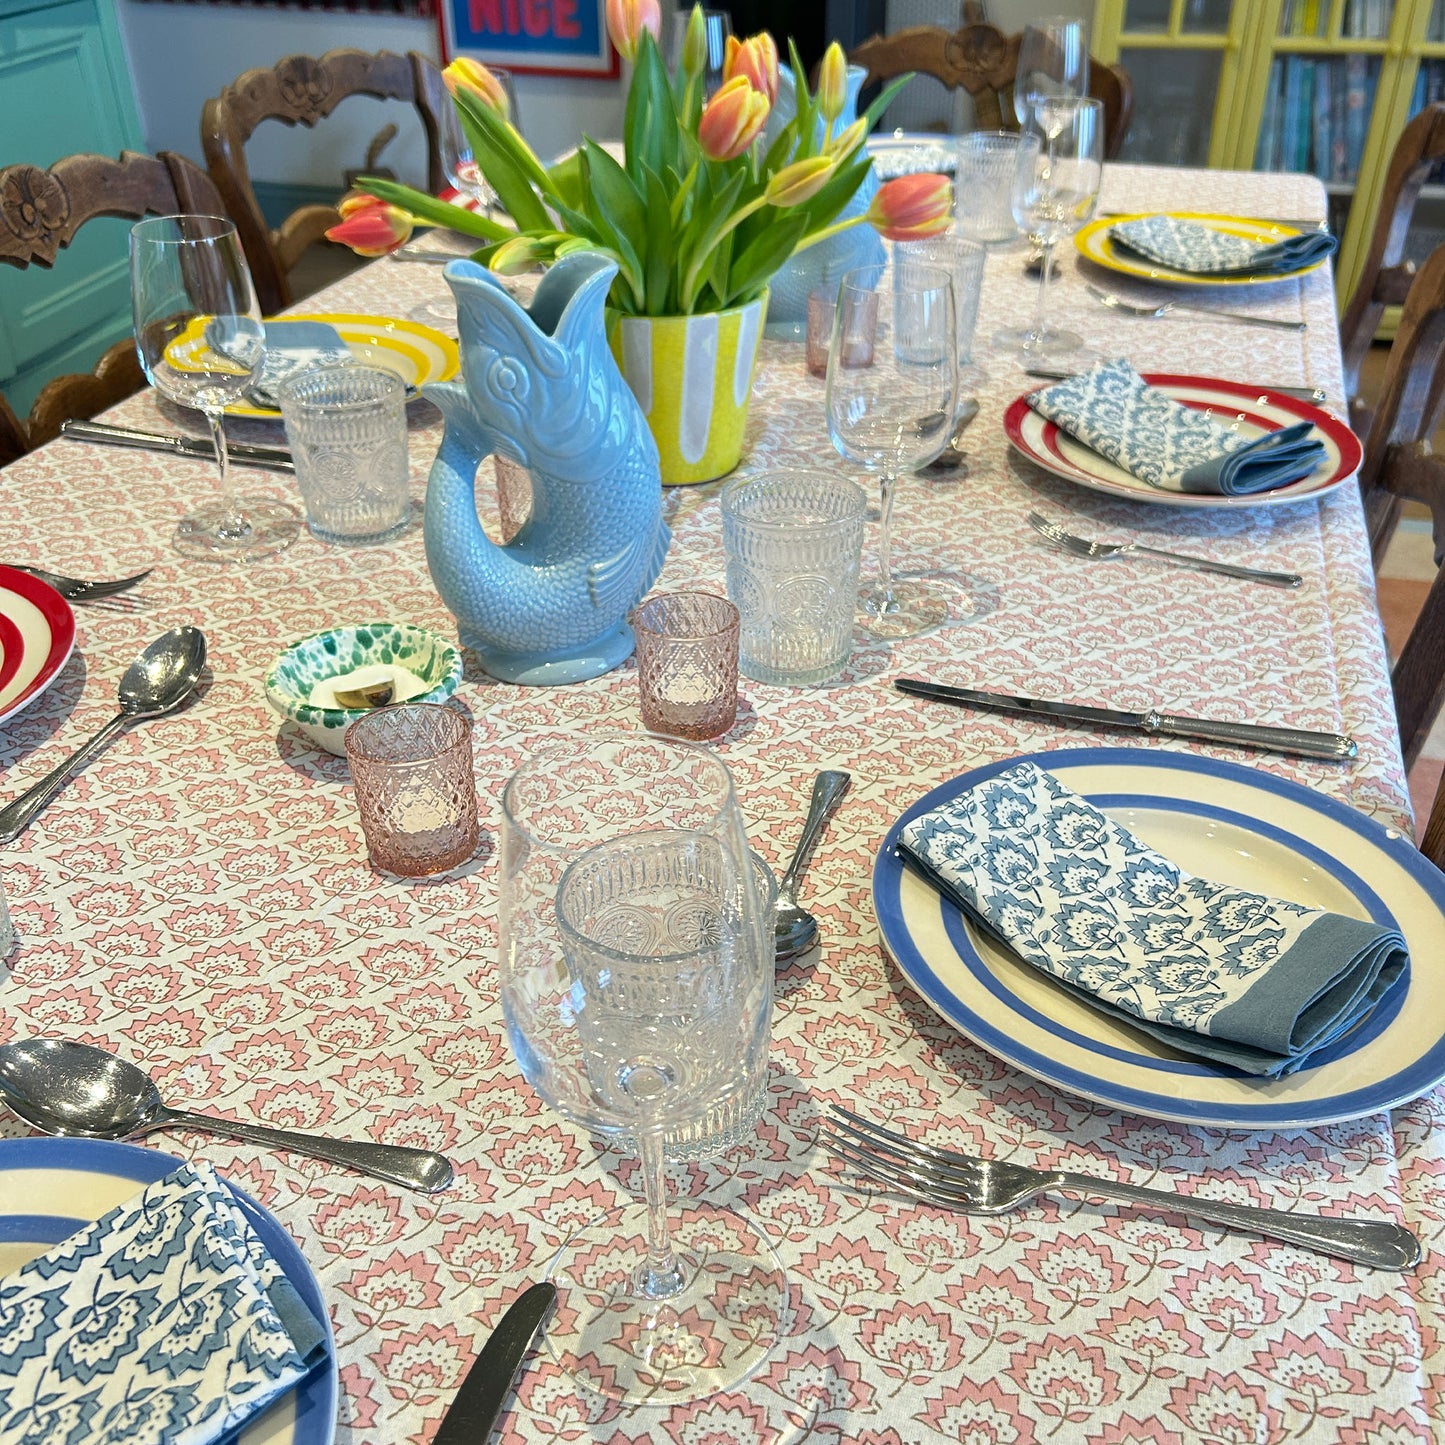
340	650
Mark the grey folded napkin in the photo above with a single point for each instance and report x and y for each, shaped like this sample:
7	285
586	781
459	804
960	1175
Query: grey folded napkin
1201	249
1115	412
165	1321
1229	976
291	348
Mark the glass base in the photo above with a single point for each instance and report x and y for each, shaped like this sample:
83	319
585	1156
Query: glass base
1030	346
247	530
709	1337
440	314
906	610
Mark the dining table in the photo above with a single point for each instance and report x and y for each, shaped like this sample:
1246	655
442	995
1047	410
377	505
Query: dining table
198	899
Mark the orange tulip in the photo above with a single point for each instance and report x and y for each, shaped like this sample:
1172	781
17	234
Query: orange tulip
756	58
800	181
627	19
731	120
466	74
911	208
371	227
832	83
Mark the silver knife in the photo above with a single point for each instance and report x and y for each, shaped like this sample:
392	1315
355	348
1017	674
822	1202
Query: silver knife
1315	394
1249	735
478	1404
243	453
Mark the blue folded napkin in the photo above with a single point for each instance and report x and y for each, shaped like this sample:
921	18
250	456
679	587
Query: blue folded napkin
1227	975
293	347
1200	249
164	1321
1176	448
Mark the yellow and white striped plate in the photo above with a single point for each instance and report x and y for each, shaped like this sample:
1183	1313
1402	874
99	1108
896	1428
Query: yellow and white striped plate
416	353
1095	244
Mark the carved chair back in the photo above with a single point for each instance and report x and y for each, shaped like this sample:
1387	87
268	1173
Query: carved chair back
40	213
983	61
302	90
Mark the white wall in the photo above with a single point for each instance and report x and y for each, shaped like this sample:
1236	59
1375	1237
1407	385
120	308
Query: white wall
180	55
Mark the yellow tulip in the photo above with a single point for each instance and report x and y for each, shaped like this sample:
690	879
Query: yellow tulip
466	74
800	181
832	83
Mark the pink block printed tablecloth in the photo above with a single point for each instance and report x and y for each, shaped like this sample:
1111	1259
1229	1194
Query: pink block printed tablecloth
199	900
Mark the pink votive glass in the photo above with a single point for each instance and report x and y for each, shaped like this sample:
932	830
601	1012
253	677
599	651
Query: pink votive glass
411	765
687	664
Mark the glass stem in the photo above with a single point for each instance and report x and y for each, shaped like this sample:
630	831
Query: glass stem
232	521
1036	330
661	1276
888	485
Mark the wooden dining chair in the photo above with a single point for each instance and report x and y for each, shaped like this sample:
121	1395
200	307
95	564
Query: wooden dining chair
982	60
1386	275
301	90
1400	465
40	213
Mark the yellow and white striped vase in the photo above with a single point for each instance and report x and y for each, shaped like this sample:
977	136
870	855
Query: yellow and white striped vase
692	377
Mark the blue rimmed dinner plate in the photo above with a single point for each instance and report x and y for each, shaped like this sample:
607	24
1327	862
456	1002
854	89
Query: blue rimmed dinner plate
1222	821
49	1188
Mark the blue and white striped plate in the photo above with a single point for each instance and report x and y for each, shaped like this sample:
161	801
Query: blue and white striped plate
50	1187
1221	821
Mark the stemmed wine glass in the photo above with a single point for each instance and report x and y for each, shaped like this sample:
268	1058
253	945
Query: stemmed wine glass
201	343
458	159
1056	188
636	972
1053	65
892	389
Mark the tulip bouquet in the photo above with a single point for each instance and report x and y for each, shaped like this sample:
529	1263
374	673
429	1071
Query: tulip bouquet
709	201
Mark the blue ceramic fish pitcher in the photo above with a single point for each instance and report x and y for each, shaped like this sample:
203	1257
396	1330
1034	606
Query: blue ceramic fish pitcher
539	386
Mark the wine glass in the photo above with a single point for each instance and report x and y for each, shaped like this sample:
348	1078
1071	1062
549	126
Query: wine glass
892	389
636	973
1053	65
201	343
458	158
1056	188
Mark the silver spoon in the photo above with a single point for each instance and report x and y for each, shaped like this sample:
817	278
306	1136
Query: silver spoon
159	680
953	456
795	930
66	1088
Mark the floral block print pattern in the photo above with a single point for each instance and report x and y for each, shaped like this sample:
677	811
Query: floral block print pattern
1239	979
165	1322
1114	411
1192	246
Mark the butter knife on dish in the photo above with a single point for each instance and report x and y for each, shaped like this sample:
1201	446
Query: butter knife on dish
243	453
471	1417
1334	746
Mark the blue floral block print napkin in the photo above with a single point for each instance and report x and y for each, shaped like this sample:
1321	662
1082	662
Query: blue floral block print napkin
1202	250
293	347
165	1322
1176	448
1230	976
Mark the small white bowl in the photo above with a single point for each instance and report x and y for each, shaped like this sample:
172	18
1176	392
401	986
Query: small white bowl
340	650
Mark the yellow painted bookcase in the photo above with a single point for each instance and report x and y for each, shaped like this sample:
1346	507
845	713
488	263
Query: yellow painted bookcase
1319	86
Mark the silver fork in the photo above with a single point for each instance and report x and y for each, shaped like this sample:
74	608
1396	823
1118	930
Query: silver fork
1166	308
1083	547
75	589
990	1186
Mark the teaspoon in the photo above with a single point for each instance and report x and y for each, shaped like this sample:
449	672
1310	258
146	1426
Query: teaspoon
66	1088
795	930
158	681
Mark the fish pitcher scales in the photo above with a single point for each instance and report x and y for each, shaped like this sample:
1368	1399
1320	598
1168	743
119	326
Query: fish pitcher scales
539	386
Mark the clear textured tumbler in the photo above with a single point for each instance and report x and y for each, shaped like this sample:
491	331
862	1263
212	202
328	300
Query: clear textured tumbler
794	539
983	185
411	765
687	664
347	429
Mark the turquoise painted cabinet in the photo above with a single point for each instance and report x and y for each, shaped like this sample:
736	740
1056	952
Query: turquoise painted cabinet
65	88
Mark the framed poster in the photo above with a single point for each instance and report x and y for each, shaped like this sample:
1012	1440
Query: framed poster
541	37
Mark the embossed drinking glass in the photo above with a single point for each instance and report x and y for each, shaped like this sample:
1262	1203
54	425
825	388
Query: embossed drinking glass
347	429
411	766
793	540
636	968
687	664
984	183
